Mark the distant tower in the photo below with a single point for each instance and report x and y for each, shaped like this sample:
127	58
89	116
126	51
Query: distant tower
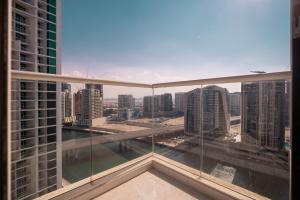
88	104
166	102
235	103
179	102
126	101
263	105
66	103
207	110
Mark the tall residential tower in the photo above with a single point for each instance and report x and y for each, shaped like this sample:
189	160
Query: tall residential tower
207	111
126	101
88	105
263	105
36	122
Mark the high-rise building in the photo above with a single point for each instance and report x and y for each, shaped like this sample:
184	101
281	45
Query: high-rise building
263	105
88	105
66	106
36	130
235	103
192	112
162	104
207	111
179	102
147	106
126	101
165	102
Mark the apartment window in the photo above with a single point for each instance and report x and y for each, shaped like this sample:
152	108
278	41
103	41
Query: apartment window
40	34
41	115
51	121
51	104
24	144
20	7
51	27
40	25
51	95
51	44
41	140
51	53
20	18
51	138
20	37
51	18
23	57
51	10
21	191
40	43
51	70
51	35
20	28
51	130
41	131
51	2
51	87
24	47
51	61
51	113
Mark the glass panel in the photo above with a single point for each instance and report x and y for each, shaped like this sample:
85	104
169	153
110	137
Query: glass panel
246	135
51	10
51	27
51	35
51	70
51	52
52	2
51	61
118	132
176	119
76	140
51	44
51	18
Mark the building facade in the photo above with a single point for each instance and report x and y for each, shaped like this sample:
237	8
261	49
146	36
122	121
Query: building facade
165	102
179	102
162	105
235	103
36	129
207	111
66	106
147	106
88	105
126	101
263	105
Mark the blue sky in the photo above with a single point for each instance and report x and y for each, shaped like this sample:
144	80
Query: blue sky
168	40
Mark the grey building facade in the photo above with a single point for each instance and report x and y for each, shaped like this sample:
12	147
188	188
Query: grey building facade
207	111
88	104
263	105
36	123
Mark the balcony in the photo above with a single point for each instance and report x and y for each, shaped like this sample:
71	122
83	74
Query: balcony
210	148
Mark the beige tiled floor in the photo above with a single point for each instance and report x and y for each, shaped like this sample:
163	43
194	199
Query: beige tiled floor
152	185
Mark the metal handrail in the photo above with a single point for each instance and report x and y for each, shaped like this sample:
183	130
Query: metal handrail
284	75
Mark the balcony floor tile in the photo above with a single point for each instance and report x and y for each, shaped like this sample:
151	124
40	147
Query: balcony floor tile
152	185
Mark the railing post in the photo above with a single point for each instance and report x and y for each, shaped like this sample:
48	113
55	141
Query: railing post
295	142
